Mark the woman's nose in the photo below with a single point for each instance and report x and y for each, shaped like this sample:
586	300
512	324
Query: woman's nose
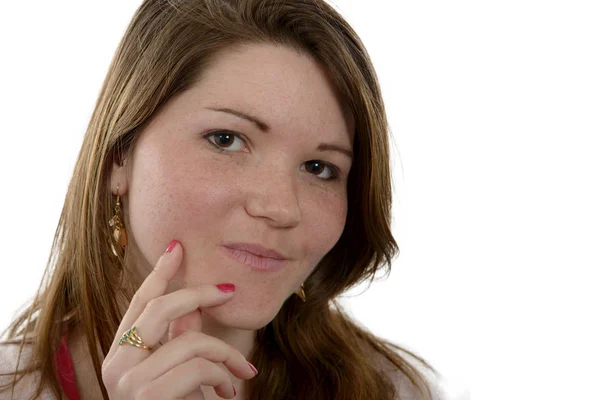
274	197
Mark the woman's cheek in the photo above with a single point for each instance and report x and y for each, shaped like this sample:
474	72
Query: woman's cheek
207	186
327	211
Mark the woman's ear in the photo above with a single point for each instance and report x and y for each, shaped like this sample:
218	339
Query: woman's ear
119	177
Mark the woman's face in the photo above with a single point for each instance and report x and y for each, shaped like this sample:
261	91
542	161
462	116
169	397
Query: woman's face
205	175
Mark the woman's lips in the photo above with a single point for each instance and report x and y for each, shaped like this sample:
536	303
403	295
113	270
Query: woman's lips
255	262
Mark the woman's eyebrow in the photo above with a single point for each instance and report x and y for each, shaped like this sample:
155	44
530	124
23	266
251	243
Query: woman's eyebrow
333	147
263	126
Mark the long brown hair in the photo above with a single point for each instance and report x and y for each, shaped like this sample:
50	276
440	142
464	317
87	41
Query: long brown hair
310	350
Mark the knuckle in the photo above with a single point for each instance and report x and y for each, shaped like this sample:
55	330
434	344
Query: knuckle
155	306
208	370
217	373
136	301
145	393
109	375
221	374
126	384
198	363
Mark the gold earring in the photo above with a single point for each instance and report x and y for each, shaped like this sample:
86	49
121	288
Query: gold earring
300	292
119	233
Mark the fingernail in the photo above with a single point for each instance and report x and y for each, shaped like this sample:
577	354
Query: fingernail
253	368
226	287
171	246
234	392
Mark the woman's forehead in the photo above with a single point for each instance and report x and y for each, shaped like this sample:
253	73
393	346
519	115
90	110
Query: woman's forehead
280	88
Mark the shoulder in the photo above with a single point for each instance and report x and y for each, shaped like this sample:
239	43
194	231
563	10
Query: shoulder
9	356
405	387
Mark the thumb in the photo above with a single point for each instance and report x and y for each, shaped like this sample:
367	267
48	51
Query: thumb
191	321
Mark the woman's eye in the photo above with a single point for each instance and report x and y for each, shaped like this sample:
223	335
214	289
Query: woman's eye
225	141
323	170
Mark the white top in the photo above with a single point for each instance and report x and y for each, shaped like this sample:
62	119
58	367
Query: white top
9	354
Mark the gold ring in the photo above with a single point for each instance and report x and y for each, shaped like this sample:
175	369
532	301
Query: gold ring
132	337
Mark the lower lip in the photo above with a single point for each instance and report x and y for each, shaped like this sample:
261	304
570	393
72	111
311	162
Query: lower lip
255	262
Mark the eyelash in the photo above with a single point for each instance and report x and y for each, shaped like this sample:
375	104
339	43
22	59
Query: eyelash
335	172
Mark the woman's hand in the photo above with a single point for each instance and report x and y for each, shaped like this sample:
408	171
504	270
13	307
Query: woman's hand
189	359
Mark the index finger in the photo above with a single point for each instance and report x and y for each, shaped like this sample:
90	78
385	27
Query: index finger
154	285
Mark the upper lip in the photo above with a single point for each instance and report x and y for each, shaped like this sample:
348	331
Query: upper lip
256	249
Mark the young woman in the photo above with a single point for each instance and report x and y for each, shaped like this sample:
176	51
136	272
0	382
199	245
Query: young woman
248	138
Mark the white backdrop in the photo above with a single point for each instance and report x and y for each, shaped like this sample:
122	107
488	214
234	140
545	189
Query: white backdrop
495	113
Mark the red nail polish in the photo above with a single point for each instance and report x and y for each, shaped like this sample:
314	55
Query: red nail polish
226	287
253	368
171	246
234	392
